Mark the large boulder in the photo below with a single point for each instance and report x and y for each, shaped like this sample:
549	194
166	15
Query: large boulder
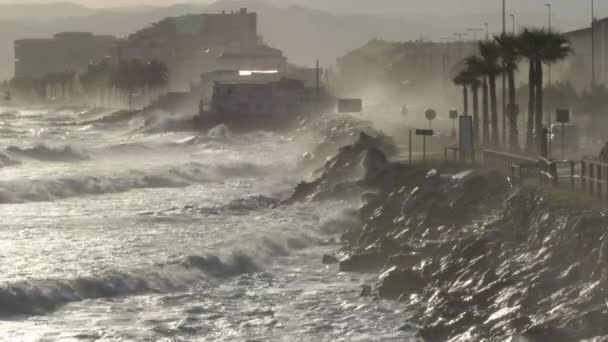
362	261
396	282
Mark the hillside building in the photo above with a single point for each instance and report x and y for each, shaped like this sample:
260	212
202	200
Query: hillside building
67	51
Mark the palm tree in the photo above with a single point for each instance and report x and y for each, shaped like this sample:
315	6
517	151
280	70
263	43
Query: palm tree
156	75
540	46
475	71
509	54
463	79
97	79
490	55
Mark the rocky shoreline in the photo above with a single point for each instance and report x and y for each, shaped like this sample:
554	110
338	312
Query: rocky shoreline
470	255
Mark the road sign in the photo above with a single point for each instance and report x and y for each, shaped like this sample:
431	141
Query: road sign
562	116
430	114
453	114
350	105
425	132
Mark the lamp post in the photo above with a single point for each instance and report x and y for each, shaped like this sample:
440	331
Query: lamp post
549	67
460	35
474	37
513	21
504	79
446	56
592	44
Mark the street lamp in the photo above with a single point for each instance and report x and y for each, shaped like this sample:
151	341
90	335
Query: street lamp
460	35
549	9
592	44
513	21
474	37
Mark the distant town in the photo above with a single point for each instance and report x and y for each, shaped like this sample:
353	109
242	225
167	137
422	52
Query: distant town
176	63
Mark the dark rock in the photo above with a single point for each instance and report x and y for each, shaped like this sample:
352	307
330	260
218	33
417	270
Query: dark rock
361	262
366	291
396	282
329	259
541	333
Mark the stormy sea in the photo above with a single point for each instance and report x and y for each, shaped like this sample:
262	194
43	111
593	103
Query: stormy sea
118	227
124	226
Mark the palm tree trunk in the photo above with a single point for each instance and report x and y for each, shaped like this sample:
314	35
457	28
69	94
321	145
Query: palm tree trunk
531	102
486	121
465	96
540	136
513	131
475	113
494	110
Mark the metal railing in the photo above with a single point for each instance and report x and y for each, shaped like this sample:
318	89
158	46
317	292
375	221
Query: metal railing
594	178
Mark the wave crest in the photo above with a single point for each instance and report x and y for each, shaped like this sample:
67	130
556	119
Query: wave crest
49	153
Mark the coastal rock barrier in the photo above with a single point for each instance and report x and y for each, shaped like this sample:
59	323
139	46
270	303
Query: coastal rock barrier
471	256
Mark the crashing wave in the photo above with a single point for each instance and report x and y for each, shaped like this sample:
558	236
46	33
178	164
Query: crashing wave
120	116
160	122
340	131
40	190
47	153
6	160
34	297
8	115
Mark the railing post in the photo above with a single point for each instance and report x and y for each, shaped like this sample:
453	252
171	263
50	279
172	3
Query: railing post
599	181
572	179
583	176
591	179
554	174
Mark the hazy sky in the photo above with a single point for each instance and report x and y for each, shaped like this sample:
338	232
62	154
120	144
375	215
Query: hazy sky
566	13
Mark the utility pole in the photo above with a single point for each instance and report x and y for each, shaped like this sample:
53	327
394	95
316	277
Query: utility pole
513	21
504	13
504	79
460	35
592	44
549	66
487	31
446	57
474	38
317	86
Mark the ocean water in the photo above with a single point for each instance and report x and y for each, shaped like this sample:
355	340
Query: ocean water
114	231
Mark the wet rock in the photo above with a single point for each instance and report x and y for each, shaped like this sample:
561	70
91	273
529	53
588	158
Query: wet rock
329	259
603	264
542	333
397	282
366	291
361	262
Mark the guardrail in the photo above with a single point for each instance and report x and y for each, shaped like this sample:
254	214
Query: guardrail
505	161
594	177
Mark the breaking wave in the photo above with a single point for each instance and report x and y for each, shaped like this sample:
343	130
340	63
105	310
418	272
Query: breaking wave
41	296
159	122
40	190
112	118
220	133
35	297
6	160
48	153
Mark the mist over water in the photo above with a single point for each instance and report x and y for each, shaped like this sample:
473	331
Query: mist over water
116	227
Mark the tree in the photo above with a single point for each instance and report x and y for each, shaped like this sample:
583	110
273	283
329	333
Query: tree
510	56
540	47
475	71
463	79
490	56
98	79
